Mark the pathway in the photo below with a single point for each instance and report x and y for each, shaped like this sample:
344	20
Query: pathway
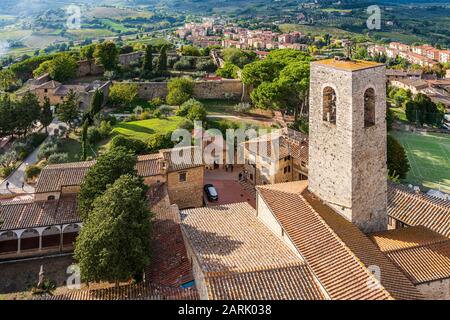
18	176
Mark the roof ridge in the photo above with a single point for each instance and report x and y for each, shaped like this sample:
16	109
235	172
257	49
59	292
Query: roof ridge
365	269
419	246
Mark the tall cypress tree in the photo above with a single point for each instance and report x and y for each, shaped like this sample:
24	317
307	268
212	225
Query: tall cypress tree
162	60
46	115
147	65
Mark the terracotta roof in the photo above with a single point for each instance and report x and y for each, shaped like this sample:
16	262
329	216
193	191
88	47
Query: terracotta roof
353	65
418	209
423	255
50	85
32	214
183	158
338	253
53	177
240	258
170	265
127	292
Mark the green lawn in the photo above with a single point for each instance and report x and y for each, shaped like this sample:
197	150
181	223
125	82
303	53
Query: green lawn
429	158
219	106
144	129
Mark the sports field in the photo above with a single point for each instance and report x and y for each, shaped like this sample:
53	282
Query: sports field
429	158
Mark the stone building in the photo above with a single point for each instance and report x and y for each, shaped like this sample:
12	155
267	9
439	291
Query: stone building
57	92
329	221
276	157
49	223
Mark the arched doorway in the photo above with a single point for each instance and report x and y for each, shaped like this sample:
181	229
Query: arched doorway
8	242
51	237
70	233
29	240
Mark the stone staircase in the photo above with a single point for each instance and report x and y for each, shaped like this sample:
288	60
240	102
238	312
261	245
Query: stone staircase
248	187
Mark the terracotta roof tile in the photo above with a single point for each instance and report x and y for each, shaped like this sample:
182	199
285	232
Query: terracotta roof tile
338	253
422	254
417	209
32	214
128	292
242	259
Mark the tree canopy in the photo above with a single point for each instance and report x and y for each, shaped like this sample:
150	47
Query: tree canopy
107	54
67	111
114	243
397	162
108	168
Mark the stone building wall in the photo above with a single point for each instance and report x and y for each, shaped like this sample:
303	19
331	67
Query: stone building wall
436	290
347	162
88	68
70	189
189	193
221	89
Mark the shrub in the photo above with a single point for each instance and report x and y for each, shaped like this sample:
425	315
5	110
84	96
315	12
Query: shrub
205	65
135	145
165	110
145	115
242	107
47	149
183	64
157	101
197	113
186	124
180	90
184	109
105	129
58	158
32	171
93	135
160	141
6	171
157	114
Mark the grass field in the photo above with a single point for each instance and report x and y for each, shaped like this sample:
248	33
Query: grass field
144	129
429	158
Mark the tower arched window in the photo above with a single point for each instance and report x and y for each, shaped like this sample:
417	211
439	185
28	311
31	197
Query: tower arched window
369	108
329	105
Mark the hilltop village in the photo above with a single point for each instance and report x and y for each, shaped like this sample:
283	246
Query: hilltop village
328	201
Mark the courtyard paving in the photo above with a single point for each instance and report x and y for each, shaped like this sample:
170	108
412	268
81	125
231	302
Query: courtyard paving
228	187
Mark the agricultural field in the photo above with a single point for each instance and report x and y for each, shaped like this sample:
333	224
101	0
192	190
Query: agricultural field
317	29
429	158
144	129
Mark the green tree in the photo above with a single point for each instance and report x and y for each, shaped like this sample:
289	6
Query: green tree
421	110
123	94
63	67
96	103
114	244
160	141
67	111
189	50
147	65
87	52
197	113
180	90
84	139
46	115
238	57
108	168
26	112
7	79
228	70
397	162
106	53
162	60
134	145
259	71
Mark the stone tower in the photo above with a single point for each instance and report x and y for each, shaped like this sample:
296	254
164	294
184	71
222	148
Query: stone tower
347	140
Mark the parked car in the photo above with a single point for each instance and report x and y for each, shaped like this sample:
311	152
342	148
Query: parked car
211	192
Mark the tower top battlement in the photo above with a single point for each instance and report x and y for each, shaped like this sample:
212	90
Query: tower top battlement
348	65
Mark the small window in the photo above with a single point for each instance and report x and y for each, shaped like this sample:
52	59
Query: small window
329	105
182	177
51	198
369	108
45	90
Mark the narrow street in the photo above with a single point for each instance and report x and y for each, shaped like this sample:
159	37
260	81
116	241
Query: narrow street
18	176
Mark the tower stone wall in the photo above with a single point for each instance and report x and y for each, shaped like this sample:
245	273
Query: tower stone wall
347	159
